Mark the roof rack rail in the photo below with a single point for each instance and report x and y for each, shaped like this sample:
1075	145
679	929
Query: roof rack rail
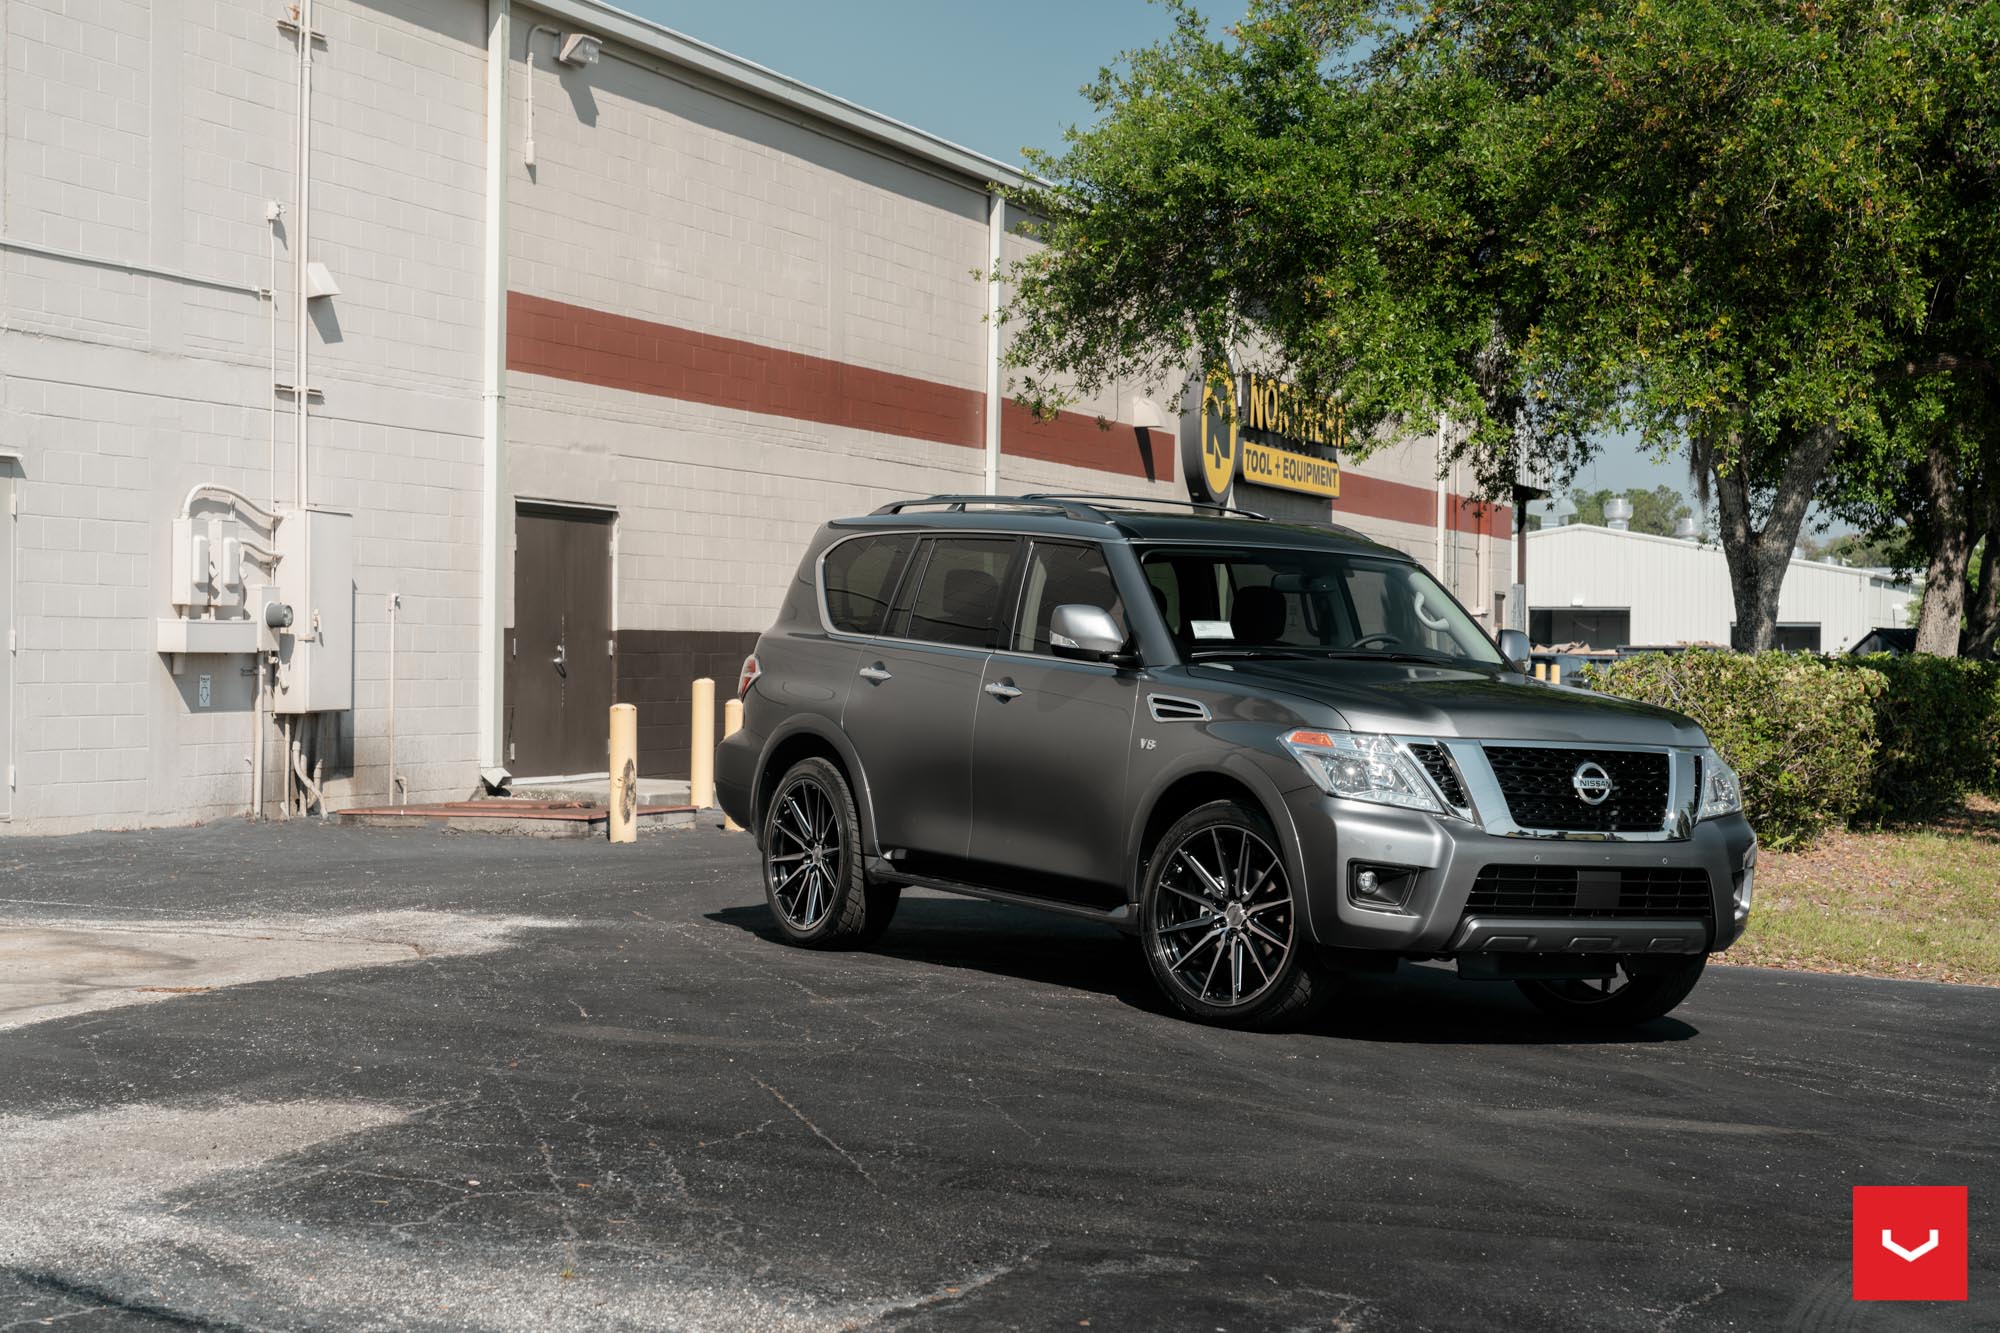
1122	501
1067	506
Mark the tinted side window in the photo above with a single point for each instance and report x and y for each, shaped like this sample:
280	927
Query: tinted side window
1060	574
861	578
957	599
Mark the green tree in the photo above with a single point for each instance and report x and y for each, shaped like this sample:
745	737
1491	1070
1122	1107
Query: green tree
1717	225
1655	511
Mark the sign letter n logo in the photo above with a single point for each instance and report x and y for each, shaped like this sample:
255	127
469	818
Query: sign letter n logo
1910	1242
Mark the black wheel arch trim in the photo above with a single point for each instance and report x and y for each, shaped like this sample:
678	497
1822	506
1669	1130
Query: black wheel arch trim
1241	770
819	729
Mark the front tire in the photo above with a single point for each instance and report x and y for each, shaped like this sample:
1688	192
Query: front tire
1621	1001
813	876
1221	931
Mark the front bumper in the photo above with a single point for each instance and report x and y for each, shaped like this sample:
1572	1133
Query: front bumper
1447	855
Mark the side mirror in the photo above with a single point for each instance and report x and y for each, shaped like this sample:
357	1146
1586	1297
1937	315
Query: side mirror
1087	633
1514	646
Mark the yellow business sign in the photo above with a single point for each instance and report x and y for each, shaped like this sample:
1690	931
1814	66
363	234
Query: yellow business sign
1263	431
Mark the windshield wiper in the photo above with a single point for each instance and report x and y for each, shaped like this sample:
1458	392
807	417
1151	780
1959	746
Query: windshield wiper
1428	659
1293	654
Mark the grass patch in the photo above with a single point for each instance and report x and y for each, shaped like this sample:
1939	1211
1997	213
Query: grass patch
1915	902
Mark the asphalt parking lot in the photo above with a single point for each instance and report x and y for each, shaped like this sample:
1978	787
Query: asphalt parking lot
307	1077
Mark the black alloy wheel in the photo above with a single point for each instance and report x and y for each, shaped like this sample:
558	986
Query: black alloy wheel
1220	927
813	875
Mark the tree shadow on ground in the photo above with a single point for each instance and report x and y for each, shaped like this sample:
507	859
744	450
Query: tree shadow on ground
1417	1003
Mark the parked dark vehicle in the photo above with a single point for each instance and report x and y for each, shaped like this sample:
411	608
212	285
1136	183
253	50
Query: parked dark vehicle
1268	751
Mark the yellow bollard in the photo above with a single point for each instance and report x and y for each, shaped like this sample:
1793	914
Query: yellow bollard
1555	673
624	752
701	743
732	721
1541	671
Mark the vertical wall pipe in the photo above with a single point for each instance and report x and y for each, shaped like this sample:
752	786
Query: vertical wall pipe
301	246
493	398
996	225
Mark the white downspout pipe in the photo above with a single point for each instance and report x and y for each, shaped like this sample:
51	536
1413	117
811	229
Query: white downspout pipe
996	228
1438	568
301	249
493	396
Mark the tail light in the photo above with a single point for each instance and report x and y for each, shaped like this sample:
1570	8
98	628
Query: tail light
749	677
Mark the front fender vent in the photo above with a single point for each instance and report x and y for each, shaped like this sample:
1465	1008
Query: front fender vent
1173	708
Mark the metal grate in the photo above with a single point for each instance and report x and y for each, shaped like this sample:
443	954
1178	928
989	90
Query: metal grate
1536	781
1438	764
1534	890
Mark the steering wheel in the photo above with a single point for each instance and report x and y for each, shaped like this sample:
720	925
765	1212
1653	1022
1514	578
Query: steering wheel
1376	640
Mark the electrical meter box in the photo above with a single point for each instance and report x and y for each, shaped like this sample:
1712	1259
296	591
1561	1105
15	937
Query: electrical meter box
316	579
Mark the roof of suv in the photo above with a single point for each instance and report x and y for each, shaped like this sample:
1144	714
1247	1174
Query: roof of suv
1130	518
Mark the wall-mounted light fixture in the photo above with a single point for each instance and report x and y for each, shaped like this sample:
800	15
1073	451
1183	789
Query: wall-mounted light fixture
579	48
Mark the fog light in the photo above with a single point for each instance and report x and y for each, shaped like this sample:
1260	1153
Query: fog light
1380	885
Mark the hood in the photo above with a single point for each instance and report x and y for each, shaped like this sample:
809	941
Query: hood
1409	699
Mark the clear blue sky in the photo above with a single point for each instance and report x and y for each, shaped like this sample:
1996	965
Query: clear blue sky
993	77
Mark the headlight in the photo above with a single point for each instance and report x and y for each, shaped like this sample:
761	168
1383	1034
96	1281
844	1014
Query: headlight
1721	791
1361	768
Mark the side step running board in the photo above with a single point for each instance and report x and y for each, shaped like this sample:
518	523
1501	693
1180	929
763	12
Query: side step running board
885	871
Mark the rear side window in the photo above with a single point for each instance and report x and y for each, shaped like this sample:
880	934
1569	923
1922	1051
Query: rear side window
861	576
957	599
1061	574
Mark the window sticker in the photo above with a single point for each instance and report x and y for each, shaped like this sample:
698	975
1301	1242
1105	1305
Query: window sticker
1211	629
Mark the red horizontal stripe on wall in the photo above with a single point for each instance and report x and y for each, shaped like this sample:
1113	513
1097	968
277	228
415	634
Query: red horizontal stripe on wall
1080	441
1400	502
586	346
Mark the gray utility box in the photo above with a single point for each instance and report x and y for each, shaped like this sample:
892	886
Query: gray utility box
316	579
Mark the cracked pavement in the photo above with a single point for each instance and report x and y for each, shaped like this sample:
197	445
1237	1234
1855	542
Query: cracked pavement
390	1080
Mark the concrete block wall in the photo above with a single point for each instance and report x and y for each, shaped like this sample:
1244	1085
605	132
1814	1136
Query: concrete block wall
152	135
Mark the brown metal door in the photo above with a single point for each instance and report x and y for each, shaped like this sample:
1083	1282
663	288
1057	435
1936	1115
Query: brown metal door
562	668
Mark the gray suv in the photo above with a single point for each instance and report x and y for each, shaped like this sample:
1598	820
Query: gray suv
1270	752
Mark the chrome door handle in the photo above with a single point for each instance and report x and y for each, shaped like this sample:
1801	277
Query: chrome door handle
876	673
561	659
1002	689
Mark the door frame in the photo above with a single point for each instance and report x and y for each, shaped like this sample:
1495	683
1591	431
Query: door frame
614	518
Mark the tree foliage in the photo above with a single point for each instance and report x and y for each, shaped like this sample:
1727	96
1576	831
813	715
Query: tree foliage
1759	230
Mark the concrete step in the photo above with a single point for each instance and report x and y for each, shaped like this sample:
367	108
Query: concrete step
597	791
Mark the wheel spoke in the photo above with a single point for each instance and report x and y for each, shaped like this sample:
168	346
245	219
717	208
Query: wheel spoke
1267	936
1207	904
1193	924
1210	978
1262	971
1215	885
1187	955
1236	968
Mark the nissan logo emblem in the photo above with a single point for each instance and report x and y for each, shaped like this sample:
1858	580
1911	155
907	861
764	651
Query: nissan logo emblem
1593	785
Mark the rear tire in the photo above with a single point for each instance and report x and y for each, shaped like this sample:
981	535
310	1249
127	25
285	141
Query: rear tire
813	878
1219	925
1624	1001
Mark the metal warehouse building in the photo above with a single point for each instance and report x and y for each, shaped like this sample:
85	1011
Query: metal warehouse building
513	352
1609	588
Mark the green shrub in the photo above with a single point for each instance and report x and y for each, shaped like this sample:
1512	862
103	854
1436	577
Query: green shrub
1938	724
1799	730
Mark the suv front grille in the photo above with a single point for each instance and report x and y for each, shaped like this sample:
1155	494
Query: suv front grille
1438	764
1536	781
1535	890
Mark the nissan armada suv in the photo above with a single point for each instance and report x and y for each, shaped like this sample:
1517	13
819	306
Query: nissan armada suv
1270	752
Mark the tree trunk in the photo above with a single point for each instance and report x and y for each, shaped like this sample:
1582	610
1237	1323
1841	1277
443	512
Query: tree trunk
1982	612
1758	557
1951	551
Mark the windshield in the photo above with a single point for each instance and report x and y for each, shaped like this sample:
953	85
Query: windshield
1274	602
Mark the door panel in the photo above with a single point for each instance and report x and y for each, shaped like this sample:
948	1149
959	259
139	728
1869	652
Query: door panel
910	711
562	668
1049	766
1052	738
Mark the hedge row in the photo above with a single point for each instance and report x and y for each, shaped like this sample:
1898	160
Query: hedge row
1825	741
